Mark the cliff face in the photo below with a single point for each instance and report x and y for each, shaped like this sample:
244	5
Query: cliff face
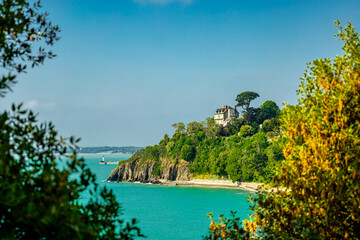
137	170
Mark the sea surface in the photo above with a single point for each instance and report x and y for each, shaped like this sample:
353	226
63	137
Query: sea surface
169	212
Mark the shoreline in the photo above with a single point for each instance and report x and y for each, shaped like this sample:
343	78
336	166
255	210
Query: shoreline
248	186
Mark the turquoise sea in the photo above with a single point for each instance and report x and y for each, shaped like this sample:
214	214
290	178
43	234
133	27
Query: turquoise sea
169	212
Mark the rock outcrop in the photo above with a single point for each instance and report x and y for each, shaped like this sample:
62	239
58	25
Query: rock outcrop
140	171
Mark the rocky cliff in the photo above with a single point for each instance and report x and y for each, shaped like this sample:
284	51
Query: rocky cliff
140	171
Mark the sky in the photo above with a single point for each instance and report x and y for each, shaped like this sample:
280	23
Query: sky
126	70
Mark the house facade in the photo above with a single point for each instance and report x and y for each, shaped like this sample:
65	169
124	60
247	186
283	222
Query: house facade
224	114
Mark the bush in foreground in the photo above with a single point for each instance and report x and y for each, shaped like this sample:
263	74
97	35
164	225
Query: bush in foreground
320	198
39	199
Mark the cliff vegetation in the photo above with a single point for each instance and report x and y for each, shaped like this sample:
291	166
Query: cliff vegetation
246	149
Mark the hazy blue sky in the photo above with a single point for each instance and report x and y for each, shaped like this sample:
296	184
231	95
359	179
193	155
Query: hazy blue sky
128	69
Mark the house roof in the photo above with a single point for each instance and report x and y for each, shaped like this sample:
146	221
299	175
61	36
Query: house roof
223	109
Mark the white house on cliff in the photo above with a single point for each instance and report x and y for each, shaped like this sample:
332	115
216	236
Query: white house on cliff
224	114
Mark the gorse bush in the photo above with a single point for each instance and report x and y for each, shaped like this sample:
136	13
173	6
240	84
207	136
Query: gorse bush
320	179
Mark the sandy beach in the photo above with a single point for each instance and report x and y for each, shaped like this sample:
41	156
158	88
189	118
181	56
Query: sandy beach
249	186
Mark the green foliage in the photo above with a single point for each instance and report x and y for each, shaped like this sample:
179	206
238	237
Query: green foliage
212	129
246	131
271	126
39	190
275	157
218	161
165	139
153	153
179	127
234	125
157	168
244	99
234	165
251	115
251	160
187	152
268	110
194	127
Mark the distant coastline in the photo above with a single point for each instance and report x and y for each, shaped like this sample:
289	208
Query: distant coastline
108	150
104	153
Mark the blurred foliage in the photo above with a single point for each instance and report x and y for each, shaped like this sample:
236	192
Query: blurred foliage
40	190
22	27
319	193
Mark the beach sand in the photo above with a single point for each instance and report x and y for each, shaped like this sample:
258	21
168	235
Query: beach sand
249	186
